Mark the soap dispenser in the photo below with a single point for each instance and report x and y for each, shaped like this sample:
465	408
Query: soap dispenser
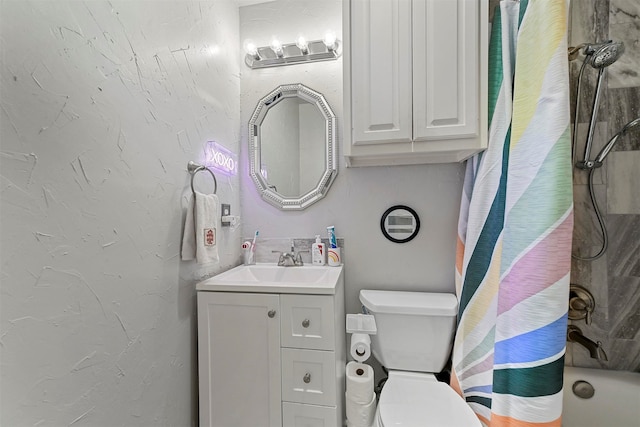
318	252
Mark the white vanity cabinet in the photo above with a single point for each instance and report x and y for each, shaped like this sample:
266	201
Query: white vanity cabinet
415	79
271	358
239	359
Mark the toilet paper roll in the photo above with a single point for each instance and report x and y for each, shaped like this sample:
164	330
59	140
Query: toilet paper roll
359	414
360	382
360	347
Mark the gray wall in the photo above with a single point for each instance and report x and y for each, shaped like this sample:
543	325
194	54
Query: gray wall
359	196
613	279
103	104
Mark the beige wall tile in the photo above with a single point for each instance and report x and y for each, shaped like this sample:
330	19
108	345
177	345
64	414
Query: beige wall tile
623	176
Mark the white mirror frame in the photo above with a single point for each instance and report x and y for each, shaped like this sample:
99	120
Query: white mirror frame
331	158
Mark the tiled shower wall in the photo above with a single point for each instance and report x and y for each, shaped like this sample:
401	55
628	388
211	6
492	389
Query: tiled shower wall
613	279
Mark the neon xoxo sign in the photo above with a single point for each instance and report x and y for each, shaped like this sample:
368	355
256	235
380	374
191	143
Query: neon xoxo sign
221	159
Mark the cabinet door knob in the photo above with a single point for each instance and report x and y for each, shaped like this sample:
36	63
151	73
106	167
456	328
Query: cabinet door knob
271	313
307	378
306	323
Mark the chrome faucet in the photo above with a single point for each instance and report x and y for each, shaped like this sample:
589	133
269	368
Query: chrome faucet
574	334
290	259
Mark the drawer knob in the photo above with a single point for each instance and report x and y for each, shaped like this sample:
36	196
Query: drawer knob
307	378
271	313
306	323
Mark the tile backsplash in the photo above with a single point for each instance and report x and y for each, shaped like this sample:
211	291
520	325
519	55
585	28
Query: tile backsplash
265	247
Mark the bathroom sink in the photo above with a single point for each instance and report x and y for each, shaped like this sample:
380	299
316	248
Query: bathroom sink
270	273
271	278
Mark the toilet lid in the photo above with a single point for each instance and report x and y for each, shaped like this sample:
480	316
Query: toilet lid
414	402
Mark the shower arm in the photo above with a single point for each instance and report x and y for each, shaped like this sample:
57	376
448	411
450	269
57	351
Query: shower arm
574	51
605	151
586	163
600	56
574	134
633	125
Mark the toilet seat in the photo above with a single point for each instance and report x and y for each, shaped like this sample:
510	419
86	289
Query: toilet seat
413	399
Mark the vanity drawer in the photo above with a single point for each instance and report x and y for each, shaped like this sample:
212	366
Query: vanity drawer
309	376
299	415
307	321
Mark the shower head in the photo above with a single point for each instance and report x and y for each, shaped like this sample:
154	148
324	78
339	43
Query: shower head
588	49
591	48
629	127
599	56
604	54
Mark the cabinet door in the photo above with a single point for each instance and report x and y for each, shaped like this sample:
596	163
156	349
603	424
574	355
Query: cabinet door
239	359
446	46
380	52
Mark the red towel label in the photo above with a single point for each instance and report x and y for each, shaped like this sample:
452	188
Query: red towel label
209	236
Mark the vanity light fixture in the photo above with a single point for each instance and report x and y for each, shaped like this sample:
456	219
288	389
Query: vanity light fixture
302	51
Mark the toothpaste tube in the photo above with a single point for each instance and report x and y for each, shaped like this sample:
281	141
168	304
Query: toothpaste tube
333	243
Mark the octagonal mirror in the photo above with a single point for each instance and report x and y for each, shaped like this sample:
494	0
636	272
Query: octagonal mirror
292	147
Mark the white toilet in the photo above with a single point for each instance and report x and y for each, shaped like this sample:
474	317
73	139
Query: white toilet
415	334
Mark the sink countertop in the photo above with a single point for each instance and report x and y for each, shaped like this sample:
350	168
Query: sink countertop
269	278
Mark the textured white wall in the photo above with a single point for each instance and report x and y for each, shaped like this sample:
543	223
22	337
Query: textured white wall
103	104
359	196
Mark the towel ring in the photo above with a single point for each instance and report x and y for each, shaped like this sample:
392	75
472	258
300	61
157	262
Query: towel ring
194	168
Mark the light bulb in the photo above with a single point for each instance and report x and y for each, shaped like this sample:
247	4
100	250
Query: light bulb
252	50
276	47
302	45
329	40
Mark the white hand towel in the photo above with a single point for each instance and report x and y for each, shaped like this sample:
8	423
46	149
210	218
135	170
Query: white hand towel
189	235
200	238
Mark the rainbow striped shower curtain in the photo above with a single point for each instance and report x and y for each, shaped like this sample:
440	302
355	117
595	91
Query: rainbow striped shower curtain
514	247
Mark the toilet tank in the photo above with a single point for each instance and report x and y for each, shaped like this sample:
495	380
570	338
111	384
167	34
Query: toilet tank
415	329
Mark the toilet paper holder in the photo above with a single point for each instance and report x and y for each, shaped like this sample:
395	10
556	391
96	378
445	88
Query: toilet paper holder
360	403
361	324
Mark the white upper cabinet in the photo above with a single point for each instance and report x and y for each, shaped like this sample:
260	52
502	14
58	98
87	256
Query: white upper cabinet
415	81
380	77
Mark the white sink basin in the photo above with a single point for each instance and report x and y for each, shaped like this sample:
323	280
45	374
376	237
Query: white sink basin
271	278
271	273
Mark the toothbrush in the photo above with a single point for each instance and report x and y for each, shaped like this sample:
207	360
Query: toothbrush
253	248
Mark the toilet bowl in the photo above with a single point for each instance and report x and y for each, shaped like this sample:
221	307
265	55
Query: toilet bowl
414	338
413	399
